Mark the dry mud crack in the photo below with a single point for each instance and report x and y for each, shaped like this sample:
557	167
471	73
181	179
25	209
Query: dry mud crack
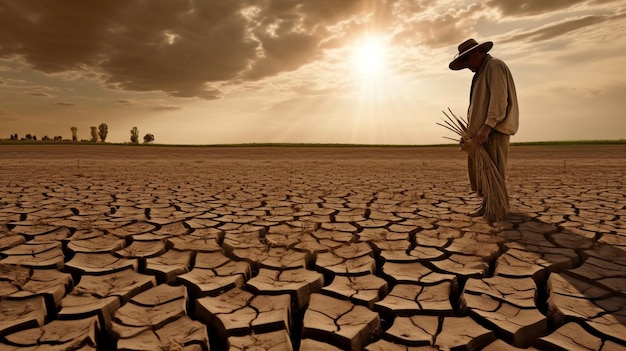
130	248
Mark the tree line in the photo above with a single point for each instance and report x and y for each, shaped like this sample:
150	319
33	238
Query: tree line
97	134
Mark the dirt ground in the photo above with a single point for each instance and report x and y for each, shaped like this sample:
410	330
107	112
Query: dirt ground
587	161
381	251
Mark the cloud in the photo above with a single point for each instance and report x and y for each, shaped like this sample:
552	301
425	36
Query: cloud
201	49
531	7
167	107
149	104
4	116
39	94
54	38
173	46
61	103
178	47
556	30
434	29
168	46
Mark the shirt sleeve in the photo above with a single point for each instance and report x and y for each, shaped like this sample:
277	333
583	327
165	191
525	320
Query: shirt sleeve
498	93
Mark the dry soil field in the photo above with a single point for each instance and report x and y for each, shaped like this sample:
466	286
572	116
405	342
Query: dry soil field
308	248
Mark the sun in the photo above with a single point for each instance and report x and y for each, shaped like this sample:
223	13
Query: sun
369	57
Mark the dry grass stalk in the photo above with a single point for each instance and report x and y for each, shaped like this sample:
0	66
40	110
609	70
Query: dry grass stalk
489	180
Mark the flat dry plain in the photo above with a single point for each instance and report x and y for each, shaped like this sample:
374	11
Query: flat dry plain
308	248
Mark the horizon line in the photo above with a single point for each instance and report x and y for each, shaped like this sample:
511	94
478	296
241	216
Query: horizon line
620	141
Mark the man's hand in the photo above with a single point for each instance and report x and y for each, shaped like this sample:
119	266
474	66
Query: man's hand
483	135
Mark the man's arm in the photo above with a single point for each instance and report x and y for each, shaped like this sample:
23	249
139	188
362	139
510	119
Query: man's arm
498	93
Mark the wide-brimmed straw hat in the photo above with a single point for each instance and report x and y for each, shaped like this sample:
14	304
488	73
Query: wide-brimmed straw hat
465	48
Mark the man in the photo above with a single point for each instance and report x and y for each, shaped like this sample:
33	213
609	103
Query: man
493	114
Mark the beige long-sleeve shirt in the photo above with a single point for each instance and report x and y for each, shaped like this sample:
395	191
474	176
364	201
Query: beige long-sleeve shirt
493	99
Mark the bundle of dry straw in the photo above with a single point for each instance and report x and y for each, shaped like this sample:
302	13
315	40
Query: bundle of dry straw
489	180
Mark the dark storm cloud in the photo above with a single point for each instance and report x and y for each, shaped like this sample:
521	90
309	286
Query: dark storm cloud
54	36
176	46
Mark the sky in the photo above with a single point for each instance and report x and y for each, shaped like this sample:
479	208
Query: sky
303	71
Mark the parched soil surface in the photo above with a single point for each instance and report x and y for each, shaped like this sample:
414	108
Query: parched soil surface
308	248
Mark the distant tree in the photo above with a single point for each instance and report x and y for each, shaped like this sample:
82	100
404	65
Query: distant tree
45	138
94	134
28	137
74	131
134	135
103	130
148	138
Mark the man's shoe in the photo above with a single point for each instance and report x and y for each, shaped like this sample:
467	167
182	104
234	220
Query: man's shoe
479	212
490	219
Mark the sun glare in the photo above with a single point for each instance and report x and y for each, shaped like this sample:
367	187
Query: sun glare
369	57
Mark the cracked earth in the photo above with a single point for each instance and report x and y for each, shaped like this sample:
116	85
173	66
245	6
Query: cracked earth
278	248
